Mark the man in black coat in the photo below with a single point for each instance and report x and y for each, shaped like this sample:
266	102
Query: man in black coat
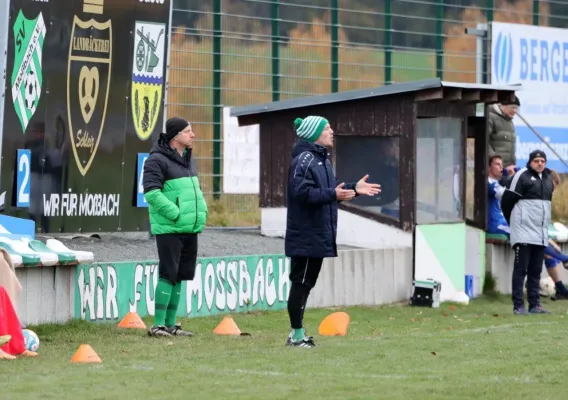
311	228
526	205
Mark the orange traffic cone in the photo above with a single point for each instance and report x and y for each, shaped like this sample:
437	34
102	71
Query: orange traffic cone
227	327
334	324
132	320
85	354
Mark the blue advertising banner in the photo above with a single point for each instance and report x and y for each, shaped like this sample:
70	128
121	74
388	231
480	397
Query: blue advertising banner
140	200
537	58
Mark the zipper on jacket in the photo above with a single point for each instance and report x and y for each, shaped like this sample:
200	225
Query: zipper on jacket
195	193
330	207
177	205
543	211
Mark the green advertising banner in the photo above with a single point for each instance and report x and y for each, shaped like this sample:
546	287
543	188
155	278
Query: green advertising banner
107	291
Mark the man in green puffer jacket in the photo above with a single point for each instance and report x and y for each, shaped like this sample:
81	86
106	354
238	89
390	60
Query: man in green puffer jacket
178	213
502	137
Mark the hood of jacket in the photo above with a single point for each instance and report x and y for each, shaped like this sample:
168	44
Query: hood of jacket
163	147
303	145
496	109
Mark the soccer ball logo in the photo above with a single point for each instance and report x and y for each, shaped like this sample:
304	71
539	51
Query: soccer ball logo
31	91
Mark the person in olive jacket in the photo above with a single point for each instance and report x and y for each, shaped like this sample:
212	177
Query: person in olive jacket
502	137
178	212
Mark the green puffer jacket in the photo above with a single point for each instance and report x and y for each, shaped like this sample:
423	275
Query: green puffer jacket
172	190
502	137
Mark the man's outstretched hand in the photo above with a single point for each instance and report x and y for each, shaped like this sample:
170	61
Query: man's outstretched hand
369	189
343	194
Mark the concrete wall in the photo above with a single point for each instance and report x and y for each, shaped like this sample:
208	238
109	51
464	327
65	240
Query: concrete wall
355	277
352	230
364	277
48	294
440	254
499	260
475	258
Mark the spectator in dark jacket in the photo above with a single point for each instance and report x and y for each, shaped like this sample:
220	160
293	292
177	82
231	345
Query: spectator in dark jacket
527	202
554	259
311	229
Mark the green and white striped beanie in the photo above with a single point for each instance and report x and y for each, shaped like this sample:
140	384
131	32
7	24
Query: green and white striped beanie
310	128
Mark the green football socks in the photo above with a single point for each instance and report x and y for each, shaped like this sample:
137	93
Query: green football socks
173	306
162	300
298	335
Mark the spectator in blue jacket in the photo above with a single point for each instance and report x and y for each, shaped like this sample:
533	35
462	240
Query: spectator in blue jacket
497	224
311	228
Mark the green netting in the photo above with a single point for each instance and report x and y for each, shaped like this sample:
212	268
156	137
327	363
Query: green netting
239	52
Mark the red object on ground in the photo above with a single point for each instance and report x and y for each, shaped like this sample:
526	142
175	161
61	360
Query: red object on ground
10	325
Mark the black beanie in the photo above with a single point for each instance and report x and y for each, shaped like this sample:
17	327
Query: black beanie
536	154
515	102
174	126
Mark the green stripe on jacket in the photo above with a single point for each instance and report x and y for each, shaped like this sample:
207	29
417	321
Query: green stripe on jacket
178	208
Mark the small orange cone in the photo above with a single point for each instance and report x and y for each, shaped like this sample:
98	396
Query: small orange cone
227	327
132	320
85	354
334	324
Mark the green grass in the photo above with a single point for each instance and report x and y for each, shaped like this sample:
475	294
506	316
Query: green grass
395	352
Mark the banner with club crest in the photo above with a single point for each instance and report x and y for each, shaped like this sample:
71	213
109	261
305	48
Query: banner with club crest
86	82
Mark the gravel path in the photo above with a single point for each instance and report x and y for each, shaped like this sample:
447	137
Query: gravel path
114	247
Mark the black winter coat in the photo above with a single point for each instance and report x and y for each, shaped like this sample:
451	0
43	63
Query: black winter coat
527	206
311	226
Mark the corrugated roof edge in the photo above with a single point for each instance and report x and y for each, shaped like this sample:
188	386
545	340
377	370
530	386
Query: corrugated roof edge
482	86
395	88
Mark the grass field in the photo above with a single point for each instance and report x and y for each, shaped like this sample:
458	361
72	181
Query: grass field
392	352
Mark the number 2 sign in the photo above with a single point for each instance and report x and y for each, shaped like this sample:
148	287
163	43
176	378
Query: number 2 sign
23	178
